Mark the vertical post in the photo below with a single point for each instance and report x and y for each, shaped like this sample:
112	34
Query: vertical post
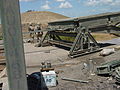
11	24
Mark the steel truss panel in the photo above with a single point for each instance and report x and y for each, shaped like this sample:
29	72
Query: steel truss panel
80	29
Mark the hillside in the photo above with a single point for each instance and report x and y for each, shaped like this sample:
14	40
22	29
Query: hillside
40	16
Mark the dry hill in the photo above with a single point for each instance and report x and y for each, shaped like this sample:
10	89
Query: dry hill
40	16
44	17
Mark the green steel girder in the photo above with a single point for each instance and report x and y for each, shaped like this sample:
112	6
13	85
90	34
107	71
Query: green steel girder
80	29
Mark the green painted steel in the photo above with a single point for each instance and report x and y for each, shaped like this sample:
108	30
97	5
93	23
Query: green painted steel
80	29
108	68
88	21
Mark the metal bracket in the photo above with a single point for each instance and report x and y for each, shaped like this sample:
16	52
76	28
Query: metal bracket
84	43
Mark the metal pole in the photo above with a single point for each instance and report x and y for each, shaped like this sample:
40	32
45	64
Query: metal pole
11	24
75	80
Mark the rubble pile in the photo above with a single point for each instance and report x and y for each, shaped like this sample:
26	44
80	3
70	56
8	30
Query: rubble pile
111	68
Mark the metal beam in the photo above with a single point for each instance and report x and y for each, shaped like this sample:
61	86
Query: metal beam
60	43
89	18
13	44
68	34
75	41
104	19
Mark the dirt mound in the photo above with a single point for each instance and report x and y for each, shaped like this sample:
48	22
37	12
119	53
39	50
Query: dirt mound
40	16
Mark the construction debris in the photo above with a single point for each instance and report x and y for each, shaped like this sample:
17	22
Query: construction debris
91	67
74	80
108	68
2	61
48	74
111	68
46	66
49	78
117	76
106	52
83	43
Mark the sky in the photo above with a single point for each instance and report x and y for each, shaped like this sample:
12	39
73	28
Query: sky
71	8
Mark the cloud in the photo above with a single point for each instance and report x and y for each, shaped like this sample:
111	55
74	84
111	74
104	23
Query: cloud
60	0
116	3
46	6
91	2
65	5
102	2
26	0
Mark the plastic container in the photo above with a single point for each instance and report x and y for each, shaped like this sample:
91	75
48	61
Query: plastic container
49	78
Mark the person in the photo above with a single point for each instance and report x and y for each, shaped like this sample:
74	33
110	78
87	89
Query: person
38	34
31	28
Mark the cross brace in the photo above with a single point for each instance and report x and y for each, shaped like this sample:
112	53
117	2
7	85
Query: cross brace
83	42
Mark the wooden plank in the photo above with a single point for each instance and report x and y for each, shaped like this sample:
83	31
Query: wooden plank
13	44
2	61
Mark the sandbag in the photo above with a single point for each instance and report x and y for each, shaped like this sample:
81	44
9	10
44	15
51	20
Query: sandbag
106	52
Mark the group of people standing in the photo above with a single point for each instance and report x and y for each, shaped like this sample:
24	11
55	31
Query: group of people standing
38	34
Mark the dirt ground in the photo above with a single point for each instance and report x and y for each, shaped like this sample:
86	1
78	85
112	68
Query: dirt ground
66	67
74	69
77	71
103	36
